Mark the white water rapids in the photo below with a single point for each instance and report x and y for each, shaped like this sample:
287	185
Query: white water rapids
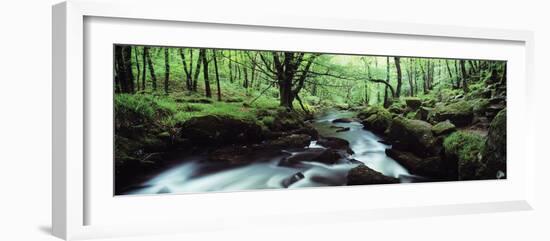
188	178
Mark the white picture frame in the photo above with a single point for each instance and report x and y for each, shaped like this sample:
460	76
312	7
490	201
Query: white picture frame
73	186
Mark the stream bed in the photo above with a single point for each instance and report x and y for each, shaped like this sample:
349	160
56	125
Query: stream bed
194	176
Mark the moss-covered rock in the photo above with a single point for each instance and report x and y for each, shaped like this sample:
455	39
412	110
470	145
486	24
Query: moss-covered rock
479	106
218	130
412	135
443	128
378	121
413	102
367	112
465	148
459	113
426	166
494	152
363	175
290	141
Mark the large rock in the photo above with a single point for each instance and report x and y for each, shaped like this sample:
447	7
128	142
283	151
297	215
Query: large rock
378	121
412	135
335	143
290	141
426	166
329	156
367	112
307	155
292	179
241	154
413	102
221	130
443	128
464	149
363	175
460	113
342	120
494	152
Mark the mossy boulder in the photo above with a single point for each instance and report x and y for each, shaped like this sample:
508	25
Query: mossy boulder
286	120
413	102
479	106
465	148
290	141
367	112
443	128
426	166
412	135
378	121
459	113
221	130
363	175
494	152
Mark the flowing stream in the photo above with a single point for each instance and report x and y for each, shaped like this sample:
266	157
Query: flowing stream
194	176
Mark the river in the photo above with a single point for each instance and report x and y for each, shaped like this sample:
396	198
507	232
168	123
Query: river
194	176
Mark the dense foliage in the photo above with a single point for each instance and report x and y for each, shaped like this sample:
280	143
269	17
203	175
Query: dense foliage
442	107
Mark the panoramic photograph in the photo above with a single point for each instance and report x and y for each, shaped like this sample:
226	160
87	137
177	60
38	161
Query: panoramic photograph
195	120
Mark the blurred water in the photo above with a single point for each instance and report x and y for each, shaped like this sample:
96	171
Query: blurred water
189	177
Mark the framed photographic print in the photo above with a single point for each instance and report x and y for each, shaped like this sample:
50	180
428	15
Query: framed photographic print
161	126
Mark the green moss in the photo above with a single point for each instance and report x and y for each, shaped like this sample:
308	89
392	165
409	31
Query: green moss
443	127
480	105
466	147
367	112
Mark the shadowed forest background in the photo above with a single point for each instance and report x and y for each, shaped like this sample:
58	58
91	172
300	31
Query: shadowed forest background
313	119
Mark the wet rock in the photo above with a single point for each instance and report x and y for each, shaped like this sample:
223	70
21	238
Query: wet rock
460	113
426	166
363	175
239	155
443	128
413	102
342	120
290	141
376	119
340	128
218	130
412	135
494	153
367	112
329	156
343	129
335	143
307	155
292	179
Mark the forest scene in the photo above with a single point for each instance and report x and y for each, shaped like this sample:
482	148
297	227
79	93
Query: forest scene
191	120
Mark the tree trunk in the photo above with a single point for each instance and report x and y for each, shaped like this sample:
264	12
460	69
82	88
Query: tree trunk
217	75
137	68
386	100
450	72
410	77
166	69
399	76
151	69
124	77
144	75
185	70
198	69
464	76
207	91
230	63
